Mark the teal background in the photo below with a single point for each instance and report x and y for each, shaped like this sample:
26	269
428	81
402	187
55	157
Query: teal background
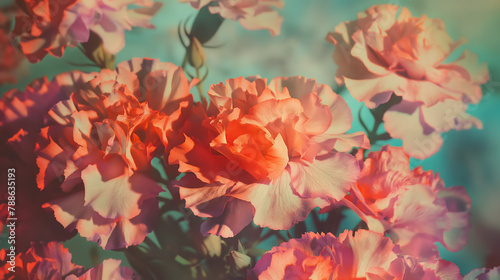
467	158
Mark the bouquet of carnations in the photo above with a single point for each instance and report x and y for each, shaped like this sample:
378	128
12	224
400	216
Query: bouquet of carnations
254	178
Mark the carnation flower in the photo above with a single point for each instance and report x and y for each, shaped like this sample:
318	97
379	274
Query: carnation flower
253	15
47	26
100	146
267	153
382	53
360	255
53	261
413	206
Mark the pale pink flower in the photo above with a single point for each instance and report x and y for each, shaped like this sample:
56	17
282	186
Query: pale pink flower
484	274
360	255
100	145
47	27
252	14
382	53
413	206
267	153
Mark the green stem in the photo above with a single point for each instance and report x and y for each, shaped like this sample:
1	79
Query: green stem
199	86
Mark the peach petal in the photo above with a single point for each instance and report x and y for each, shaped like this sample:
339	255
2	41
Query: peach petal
118	195
277	207
417	142
449	114
328	176
427	213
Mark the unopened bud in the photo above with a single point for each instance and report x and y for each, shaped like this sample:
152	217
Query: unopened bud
196	54
95	51
239	262
212	246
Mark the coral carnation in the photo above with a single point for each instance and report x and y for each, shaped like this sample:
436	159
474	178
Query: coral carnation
100	147
267	153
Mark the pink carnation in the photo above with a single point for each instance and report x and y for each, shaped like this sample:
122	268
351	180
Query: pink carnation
264	153
100	146
382	53
360	255
413	206
47	26
252	14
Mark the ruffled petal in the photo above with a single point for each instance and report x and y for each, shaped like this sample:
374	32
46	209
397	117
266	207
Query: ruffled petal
405	122
329	176
113	193
276	206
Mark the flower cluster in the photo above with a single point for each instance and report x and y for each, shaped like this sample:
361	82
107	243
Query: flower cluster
383	53
98	150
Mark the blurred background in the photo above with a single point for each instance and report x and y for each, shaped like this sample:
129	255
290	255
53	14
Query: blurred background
468	158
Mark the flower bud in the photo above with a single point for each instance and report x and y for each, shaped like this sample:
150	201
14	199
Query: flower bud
239	262
206	24
196	54
95	51
211	246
